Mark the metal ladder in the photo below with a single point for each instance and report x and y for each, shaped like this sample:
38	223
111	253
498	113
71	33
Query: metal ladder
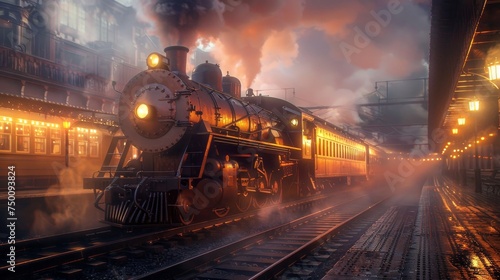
108	166
196	155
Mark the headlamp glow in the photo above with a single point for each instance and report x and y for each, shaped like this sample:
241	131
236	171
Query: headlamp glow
156	60
142	111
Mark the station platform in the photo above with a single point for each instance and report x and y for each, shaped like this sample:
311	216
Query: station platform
452	232
27	192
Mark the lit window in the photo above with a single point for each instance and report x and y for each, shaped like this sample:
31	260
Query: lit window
23	137
55	141
5	133
72	15
94	143
40	140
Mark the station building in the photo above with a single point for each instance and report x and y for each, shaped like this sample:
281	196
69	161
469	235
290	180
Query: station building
62	65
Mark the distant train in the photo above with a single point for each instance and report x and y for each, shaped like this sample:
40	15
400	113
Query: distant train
190	146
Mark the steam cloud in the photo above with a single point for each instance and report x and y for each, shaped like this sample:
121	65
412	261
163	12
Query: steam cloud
274	44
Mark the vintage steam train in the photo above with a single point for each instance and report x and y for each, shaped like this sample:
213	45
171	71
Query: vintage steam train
201	147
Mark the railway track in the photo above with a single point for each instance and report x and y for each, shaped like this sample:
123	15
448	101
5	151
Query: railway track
63	254
265	254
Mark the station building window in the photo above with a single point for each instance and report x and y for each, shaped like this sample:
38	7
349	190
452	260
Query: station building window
55	141
83	141
40	140
23	136
26	136
93	143
5	133
106	25
72	15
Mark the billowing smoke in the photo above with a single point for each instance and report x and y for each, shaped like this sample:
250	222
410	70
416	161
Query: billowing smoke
330	52
65	208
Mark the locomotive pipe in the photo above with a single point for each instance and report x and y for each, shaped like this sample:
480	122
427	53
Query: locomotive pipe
177	56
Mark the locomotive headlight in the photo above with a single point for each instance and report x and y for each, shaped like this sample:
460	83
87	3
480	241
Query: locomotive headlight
294	122
142	111
156	61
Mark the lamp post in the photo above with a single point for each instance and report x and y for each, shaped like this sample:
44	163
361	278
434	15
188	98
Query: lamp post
66	125
474	107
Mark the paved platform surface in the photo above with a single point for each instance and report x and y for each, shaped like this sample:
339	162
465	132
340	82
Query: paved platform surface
50	192
451	233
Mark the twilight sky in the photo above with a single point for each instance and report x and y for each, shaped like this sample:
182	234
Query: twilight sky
330	51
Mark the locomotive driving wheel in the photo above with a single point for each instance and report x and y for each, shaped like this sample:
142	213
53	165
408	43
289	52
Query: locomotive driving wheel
260	199
184	208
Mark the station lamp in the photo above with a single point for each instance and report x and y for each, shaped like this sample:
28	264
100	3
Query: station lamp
66	124
474	105
494	70
461	121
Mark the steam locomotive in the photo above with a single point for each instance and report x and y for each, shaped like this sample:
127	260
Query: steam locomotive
202	147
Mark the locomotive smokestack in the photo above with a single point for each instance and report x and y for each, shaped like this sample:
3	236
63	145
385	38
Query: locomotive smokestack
177	55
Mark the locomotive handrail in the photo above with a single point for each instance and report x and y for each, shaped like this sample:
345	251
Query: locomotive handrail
135	198
140	173
101	194
111	174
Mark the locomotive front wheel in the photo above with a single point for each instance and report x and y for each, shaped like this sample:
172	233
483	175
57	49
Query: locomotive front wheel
243	201
260	200
186	215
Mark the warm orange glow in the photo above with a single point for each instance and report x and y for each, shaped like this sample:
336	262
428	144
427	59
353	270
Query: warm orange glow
454	130
153	60
157	61
461	121
494	71
66	124
142	111
474	105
